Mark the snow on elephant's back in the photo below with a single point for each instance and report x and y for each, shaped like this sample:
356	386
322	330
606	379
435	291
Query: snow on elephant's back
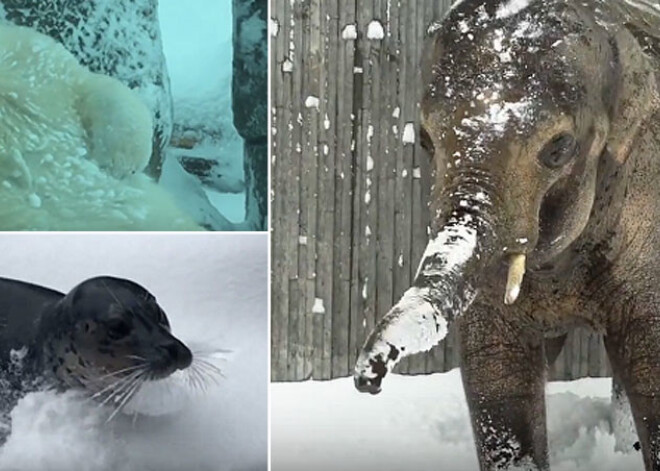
73	145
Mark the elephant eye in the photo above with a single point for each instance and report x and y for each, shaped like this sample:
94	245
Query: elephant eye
559	151
425	141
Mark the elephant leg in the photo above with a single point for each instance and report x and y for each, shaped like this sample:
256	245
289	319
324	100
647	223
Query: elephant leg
623	424
633	347
503	372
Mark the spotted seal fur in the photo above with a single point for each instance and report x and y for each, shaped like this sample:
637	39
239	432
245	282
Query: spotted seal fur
106	336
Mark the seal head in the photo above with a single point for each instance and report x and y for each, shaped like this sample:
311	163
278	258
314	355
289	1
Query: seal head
104	330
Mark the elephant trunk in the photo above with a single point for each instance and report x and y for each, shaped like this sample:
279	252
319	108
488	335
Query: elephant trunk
444	287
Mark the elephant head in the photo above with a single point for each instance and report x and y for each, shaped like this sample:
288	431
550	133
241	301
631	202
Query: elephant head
522	106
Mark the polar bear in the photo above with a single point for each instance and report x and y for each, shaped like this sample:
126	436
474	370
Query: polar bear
73	145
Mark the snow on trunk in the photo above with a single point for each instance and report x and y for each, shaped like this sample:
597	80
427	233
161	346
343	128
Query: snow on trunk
120	38
442	290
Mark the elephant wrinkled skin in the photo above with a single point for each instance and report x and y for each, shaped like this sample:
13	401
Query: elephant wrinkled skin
543	119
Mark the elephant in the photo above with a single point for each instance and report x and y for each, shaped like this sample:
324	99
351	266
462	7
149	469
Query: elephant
543	122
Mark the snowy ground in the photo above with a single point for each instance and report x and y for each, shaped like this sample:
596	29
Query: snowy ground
214	290
421	423
197	41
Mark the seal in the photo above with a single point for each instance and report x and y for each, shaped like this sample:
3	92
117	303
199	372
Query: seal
107	336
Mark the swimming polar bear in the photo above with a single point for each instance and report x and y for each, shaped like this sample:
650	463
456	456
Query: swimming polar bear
72	145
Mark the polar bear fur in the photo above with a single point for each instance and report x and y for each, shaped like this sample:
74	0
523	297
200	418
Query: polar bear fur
73	145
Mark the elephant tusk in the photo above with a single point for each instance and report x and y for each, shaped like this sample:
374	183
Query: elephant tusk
514	279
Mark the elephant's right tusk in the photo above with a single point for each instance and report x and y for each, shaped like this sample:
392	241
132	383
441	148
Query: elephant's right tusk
514	279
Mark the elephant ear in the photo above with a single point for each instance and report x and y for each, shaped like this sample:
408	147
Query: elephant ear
636	98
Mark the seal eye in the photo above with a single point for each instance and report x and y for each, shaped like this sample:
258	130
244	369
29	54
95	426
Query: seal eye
117	329
559	151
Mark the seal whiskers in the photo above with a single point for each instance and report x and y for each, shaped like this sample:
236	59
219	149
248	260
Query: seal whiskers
202	373
118	372
116	387
134	388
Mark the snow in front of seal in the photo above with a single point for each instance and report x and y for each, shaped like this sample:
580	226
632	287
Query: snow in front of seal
511	7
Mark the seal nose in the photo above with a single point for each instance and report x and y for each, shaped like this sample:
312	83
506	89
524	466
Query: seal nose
180	354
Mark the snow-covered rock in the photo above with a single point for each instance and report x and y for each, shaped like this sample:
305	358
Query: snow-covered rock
191	197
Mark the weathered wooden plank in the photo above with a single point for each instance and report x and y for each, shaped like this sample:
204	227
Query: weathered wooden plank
595	345
577	350
583	363
566	356
297	309
361	285
405	264
556	370
383	71
326	197
311	162
380	261
295	341
606	368
285	253
344	193
384	99
569	356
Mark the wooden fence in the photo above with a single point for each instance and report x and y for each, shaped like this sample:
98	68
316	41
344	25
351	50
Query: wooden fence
350	184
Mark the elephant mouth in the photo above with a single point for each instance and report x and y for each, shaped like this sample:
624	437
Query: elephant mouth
547	249
540	258
562	218
523	257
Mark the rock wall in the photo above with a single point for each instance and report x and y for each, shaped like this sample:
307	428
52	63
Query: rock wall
250	103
